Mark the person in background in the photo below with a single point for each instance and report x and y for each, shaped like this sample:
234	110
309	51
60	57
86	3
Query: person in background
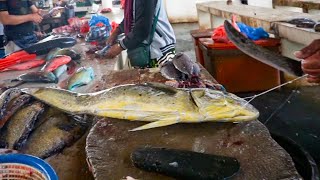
311	61
18	17
137	26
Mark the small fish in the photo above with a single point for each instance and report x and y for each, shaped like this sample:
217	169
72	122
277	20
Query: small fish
53	135
5	99
21	124
56	62
13	107
75	56
82	77
52	53
160	104
38	77
60	70
25	65
182	164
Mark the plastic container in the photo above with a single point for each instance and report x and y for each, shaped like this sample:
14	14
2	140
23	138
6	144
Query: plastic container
196	35
235	70
21	166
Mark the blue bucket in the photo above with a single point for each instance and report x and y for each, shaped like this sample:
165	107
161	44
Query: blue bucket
21	166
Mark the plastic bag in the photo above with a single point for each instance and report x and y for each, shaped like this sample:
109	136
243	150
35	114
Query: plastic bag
253	33
95	19
219	35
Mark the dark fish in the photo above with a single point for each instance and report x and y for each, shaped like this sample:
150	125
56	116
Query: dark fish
46	45
21	124
13	107
263	55
53	135
75	56
38	77
170	72
6	97
185	165
302	22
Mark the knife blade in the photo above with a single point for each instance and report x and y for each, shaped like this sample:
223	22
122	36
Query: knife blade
261	54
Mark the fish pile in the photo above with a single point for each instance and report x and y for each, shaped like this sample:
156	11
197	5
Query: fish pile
159	104
31	127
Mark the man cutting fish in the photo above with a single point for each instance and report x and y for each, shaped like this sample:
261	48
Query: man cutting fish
149	37
311	61
18	18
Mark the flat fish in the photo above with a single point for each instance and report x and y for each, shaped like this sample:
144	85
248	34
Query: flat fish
53	135
159	104
56	62
21	124
82	77
25	65
14	105
38	77
182	164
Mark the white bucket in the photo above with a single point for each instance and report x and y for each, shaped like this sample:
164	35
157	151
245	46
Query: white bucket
106	3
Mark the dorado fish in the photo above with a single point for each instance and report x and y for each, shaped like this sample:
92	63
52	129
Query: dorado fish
53	135
82	77
160	104
14	105
21	124
56	62
38	77
25	65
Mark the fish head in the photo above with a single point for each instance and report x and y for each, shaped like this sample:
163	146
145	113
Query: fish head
169	71
225	107
183	63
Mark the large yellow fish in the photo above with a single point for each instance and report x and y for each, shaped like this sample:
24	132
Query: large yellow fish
156	103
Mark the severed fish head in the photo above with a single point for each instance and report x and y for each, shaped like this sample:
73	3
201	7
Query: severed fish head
169	71
183	63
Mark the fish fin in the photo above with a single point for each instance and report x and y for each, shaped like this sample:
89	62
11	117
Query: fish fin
162	87
155	124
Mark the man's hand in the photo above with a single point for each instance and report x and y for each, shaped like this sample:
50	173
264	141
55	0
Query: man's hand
113	37
114	51
311	61
36	18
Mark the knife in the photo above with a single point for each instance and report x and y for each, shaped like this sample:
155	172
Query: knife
261	54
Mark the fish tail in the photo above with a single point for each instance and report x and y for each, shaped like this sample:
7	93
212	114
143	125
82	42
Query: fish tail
159	123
